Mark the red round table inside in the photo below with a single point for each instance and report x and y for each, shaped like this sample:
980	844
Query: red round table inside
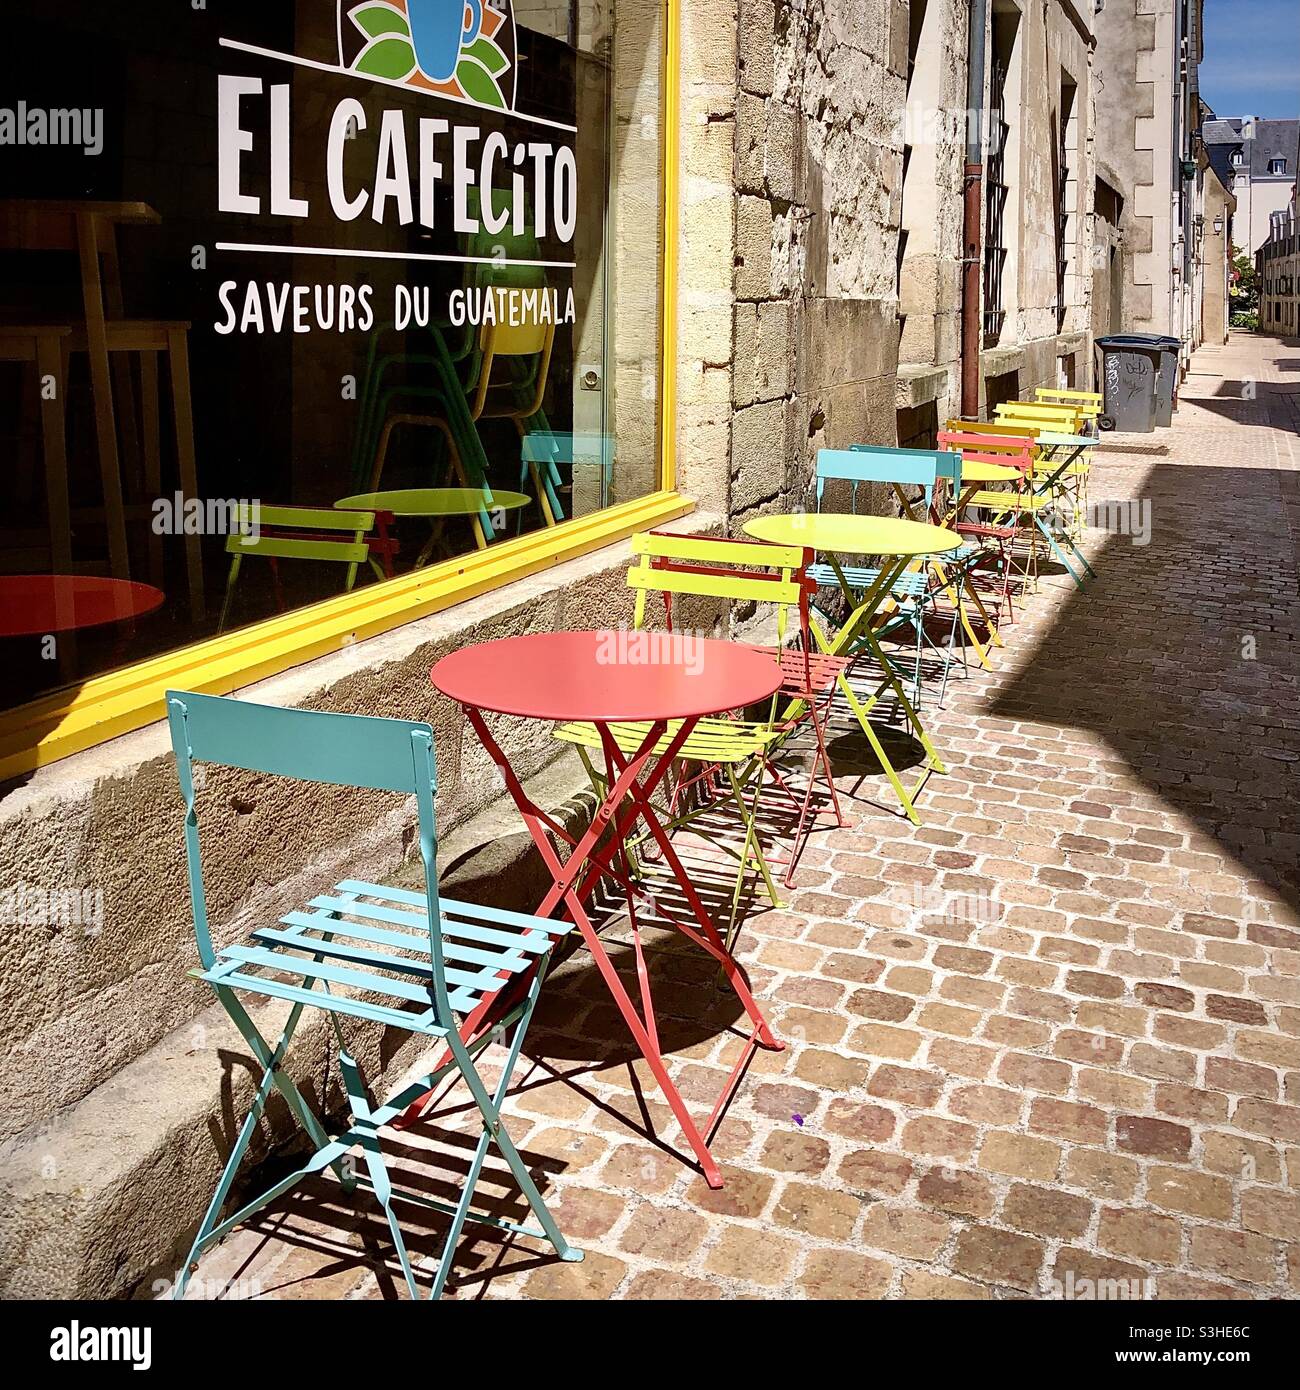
607	676
32	605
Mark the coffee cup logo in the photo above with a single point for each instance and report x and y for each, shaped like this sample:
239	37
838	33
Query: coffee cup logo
439	28
456	48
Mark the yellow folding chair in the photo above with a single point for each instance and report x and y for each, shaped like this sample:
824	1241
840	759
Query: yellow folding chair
1089	404
723	756
1065	428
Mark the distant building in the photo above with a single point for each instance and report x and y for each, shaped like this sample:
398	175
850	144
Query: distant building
1256	160
1277	262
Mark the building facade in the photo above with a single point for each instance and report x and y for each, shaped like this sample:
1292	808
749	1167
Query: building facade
676	249
1256	159
1277	265
1214	228
1150	180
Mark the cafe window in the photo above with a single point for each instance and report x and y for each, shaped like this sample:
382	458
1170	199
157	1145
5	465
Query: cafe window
300	300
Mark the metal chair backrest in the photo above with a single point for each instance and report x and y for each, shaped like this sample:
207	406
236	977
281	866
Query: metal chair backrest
1063	419
916	462
285	533
343	750
977	446
870	463
709	567
1087	403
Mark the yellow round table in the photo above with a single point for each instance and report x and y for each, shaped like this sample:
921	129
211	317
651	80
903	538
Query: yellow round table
843	533
436	504
433	501
902	543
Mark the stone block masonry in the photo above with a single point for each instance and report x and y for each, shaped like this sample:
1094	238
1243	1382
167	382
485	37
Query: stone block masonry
818	178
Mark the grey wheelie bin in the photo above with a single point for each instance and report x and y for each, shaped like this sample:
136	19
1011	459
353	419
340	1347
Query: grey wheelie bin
1137	373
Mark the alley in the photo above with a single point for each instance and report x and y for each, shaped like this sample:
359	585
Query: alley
1050	1038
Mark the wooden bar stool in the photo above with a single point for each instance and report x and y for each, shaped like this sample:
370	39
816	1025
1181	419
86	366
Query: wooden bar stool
106	336
45	345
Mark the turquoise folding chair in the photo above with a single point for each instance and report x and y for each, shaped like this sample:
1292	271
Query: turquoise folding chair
386	956
914	592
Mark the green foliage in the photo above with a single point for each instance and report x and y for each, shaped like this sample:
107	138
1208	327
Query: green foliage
391	58
1243	294
484	51
374	20
478	83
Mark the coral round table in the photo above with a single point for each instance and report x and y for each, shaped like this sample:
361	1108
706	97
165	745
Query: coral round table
899	542
32	605
591	677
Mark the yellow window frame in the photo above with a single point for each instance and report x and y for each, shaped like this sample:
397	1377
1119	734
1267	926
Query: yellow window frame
75	718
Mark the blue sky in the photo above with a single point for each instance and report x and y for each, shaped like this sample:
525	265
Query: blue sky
1252	58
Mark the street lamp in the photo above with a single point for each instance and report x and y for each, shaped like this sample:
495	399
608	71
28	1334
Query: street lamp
1218	226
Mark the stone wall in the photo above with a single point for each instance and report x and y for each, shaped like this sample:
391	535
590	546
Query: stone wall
930	271
818	180
1215	310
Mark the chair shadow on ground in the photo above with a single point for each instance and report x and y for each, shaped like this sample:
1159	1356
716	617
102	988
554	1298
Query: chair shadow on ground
328	1239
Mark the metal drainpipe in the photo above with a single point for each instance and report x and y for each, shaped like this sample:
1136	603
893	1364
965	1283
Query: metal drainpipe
973	188
1178	282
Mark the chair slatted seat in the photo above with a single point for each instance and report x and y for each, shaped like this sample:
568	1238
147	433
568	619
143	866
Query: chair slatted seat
395	957
712	740
911	584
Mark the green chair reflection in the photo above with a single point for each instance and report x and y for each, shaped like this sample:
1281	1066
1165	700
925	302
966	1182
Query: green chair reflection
291	533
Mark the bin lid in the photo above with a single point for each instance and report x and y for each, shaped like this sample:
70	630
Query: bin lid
1139	340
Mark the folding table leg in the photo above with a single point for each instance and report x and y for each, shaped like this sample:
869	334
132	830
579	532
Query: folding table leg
969	584
1060	554
861	620
575	879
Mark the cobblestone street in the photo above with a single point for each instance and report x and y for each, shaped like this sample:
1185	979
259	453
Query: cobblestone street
1051	1036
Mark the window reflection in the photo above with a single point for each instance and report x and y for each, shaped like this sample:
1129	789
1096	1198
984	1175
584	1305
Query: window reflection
295	298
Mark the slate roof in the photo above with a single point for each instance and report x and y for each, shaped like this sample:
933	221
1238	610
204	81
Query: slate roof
1274	140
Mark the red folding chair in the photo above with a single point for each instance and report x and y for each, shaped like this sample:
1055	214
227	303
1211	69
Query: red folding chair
985	459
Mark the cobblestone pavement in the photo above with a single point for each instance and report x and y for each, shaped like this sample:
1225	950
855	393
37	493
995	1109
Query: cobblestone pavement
1053	1035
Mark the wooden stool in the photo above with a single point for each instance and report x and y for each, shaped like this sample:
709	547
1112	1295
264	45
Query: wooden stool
46	346
106	335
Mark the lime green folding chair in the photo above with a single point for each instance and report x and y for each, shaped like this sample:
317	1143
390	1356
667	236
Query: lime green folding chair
298	533
369	956
727	761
